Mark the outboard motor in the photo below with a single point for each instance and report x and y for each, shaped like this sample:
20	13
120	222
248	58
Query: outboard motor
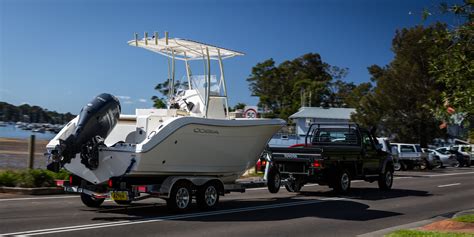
96	121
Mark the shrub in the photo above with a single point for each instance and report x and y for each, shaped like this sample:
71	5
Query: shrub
8	178
31	178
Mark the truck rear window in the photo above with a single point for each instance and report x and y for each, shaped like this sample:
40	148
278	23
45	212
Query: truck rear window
335	136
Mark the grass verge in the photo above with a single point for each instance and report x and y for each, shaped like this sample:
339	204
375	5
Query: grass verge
418	233
465	218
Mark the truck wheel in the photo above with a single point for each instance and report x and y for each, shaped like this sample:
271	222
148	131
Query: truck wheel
386	180
180	197
342	183
90	201
207	197
273	180
424	165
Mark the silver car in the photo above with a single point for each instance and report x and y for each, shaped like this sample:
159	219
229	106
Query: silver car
446	156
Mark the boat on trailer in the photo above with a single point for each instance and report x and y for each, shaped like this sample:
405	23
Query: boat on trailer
191	149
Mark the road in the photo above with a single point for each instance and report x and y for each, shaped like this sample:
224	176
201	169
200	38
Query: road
316	211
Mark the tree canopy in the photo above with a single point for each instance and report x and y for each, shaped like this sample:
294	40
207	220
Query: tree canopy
306	80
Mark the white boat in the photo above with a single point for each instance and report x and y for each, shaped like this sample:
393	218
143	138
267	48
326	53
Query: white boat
194	136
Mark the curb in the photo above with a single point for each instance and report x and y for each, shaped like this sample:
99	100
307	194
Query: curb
32	191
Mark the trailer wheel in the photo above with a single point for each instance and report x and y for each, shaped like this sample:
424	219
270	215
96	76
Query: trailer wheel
342	183
273	180
207	196
90	201
386	180
180	197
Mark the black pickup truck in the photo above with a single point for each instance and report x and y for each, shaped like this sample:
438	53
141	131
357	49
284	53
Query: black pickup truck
333	154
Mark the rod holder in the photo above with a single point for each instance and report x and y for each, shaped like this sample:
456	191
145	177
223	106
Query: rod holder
146	38
156	38
166	37
136	39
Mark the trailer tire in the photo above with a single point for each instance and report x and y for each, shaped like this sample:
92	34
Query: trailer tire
180	196
90	201
342	182
207	196
386	180
273	180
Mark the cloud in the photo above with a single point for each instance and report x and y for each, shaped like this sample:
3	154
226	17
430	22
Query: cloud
24	103
128	102
124	97
142	100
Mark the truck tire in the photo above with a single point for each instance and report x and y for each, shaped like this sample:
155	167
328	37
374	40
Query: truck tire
342	182
90	201
273	180
180	197
397	166
207	196
386	180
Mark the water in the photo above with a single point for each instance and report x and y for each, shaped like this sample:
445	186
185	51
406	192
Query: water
10	131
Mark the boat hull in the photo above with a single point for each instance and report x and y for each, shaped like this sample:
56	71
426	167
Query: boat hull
186	146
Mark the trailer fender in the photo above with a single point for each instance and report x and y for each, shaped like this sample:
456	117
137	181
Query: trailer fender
169	182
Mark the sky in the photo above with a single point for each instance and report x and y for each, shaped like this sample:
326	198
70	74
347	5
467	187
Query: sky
60	54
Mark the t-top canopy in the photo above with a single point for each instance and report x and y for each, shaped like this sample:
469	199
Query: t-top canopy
182	49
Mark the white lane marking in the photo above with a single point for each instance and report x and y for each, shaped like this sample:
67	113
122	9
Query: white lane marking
448	185
173	217
35	198
438	175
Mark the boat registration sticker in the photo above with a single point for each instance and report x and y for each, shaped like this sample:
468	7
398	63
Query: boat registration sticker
119	195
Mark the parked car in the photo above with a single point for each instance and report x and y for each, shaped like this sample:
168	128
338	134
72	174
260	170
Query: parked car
462	156
447	157
409	155
466	151
430	159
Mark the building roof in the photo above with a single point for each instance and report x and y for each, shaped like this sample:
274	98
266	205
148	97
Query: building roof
326	113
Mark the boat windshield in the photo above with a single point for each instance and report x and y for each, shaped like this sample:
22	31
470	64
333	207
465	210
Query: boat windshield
199	83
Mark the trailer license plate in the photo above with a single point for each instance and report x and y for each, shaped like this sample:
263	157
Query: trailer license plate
120	195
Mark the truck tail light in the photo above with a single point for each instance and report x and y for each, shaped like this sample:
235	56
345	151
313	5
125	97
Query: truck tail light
70	179
110	183
316	164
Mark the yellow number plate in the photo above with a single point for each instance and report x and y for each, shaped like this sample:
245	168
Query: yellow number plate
119	195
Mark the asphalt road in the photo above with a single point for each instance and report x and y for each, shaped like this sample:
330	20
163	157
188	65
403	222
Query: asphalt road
317	211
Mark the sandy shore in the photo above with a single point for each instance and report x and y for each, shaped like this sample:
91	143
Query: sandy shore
14	153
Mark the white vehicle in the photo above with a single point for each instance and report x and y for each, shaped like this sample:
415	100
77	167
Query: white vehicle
189	150
409	155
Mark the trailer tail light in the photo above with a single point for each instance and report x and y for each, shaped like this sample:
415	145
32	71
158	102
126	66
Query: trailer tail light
142	189
316	164
70	179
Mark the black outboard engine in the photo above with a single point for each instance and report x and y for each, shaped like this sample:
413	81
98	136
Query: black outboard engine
96	121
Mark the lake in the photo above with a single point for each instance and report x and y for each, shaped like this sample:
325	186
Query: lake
10	131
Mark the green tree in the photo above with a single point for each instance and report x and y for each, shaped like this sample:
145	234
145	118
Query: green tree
163	88
452	63
281	88
405	91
